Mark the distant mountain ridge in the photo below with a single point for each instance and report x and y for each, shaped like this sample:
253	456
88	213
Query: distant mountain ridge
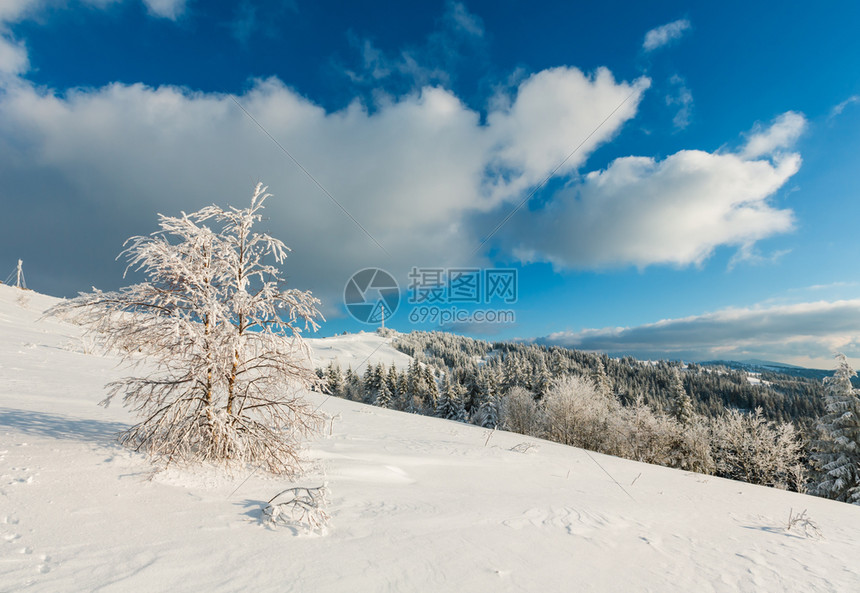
768	366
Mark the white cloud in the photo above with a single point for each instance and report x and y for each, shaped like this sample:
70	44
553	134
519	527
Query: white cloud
13	57
554	111
660	36
457	39
806	334
168	9
14	10
13	53
412	172
640	211
418	172
462	19
838	109
781	134
683	99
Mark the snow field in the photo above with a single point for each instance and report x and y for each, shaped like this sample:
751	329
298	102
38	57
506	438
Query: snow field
416	503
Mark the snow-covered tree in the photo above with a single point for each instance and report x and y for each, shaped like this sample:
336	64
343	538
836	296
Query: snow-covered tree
577	413
519	412
219	338
680	401
334	379
837	454
750	448
353	387
384	397
449	405
601	379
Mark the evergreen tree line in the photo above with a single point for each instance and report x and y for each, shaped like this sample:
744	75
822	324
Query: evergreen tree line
781	432
782	398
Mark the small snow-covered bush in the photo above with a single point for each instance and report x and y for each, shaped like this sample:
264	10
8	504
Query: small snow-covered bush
695	453
519	412
576	413
650	437
750	448
655	437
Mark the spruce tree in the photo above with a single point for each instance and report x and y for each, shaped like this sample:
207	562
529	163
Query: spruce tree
334	380
682	404
443	402
837	454
384	397
370	385
601	379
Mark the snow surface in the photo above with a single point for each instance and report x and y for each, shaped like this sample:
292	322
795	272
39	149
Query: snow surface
356	350
416	504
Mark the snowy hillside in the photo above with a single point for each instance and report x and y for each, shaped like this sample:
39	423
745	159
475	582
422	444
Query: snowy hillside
416	503
353	350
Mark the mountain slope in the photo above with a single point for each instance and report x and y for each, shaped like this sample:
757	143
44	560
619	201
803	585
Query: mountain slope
416	504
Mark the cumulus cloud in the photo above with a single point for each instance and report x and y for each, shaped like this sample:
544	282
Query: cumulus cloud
540	129
780	135
13	53
13	56
411	172
419	171
806	334
641	211
660	36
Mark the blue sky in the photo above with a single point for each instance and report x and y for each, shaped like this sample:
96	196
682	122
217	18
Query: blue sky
701	158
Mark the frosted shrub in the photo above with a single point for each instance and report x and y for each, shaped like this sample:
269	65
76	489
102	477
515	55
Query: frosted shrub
747	447
650	437
576	413
519	412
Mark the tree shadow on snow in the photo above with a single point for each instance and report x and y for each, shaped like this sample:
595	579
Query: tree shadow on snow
60	427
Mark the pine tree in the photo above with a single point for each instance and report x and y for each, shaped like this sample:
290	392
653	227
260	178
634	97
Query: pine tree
371	384
488	413
392	380
443	402
384	397
680	401
353	386
601	379
406	400
334	380
450	404
542	381
837	454
429	388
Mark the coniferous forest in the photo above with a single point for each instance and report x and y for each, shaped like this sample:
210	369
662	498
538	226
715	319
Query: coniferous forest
761	427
